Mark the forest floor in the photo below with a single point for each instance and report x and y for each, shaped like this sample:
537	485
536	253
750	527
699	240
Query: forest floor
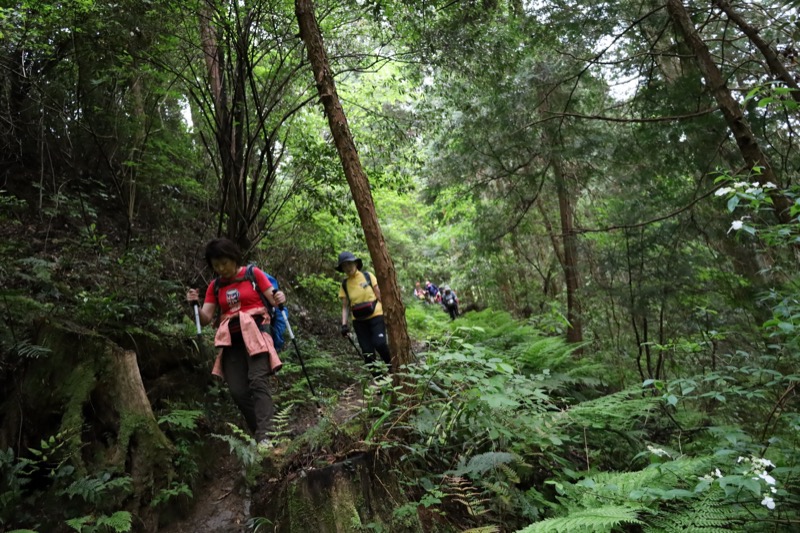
221	501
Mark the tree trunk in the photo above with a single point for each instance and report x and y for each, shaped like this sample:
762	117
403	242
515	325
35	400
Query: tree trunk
748	144
570	256
89	392
776	67
359	185
357	494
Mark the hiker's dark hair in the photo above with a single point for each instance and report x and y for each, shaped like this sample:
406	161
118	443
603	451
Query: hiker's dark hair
223	248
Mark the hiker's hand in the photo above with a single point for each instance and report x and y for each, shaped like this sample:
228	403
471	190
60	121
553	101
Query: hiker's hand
193	297
345	330
279	297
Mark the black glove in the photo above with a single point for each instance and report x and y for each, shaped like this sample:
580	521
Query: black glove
345	330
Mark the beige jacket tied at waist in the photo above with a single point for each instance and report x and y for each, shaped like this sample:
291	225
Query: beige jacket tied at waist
255	341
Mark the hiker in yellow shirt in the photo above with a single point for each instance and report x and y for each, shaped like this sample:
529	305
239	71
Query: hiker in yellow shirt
361	296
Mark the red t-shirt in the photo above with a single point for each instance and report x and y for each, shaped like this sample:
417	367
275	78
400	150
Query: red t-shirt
239	295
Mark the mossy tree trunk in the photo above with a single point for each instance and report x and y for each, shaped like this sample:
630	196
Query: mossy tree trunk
88	391
358	494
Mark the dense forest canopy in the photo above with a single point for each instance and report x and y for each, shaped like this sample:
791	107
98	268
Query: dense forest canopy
610	188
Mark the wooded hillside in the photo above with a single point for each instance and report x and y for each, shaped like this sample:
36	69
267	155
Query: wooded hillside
611	189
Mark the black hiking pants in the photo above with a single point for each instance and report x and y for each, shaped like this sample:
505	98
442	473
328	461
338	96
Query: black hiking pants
247	379
452	310
371	335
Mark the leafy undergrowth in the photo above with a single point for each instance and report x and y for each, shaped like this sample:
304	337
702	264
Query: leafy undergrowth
500	427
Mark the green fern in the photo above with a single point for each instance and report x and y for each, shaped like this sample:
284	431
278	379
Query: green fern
461	490
615	411
711	513
181	418
95	490
242	445
28	350
482	462
621	488
119	522
598	519
281	429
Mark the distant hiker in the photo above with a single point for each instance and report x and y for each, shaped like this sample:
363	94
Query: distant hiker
247	354
419	292
361	296
450	302
433	292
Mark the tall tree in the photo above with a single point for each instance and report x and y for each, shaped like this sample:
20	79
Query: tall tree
250	95
739	126
359	184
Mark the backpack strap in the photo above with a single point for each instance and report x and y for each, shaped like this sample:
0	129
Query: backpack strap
249	275
369	284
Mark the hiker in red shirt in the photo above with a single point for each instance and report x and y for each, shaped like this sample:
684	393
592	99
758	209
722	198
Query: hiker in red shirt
247	354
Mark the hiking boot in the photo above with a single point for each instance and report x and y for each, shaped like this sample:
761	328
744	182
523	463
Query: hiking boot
265	446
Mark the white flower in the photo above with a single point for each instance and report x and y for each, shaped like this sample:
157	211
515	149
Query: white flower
740	184
740	459
755	184
717	473
770	185
768	502
658	451
766	477
723	191
773	490
736	225
764	463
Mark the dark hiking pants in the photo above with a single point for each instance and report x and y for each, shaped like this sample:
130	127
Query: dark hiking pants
371	335
247	379
452	310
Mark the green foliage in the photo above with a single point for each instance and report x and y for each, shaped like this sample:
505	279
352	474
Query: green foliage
85	503
603	518
94	490
119	522
245	448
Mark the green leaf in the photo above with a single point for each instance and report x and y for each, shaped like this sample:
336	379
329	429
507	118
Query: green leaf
672	399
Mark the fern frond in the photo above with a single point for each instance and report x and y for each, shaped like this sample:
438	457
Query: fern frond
480	463
619	487
241	444
281	424
28	350
120	522
510	473
614	411
711	513
462	491
597	519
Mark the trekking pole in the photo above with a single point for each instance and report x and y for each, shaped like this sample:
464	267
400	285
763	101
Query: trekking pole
353	344
197	319
300	357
